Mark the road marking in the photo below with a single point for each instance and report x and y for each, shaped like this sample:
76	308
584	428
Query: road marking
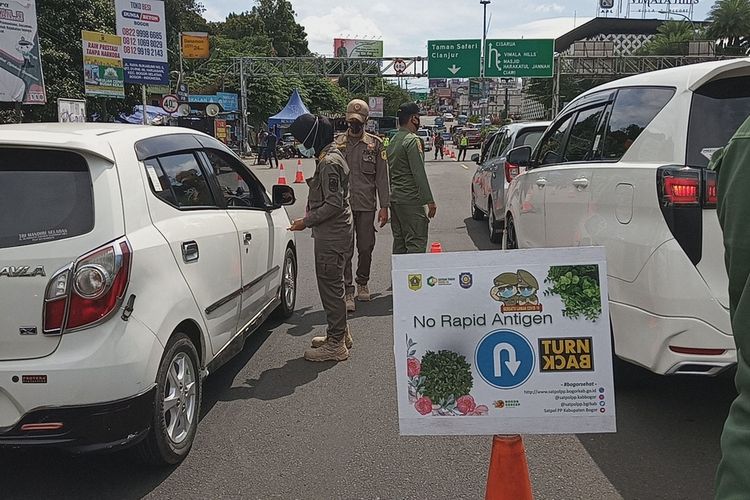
465	167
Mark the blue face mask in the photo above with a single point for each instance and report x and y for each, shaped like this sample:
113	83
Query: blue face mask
304	151
507	293
526	291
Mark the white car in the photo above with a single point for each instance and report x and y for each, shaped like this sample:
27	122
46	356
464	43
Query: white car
133	262
426	136
624	166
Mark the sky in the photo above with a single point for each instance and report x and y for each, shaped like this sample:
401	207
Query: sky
406	25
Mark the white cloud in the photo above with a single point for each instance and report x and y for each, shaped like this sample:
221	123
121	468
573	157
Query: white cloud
546	8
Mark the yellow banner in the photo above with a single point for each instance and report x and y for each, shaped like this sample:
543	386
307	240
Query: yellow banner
195	45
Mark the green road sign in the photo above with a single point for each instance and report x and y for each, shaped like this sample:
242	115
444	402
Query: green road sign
522	58
454	58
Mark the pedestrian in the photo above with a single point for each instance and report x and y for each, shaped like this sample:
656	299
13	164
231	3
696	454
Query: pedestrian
439	143
368	182
262	146
271	154
330	218
463	145
410	189
733	480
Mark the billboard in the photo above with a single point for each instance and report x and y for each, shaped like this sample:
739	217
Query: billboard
102	65
21	77
376	107
71	110
195	45
144	41
349	47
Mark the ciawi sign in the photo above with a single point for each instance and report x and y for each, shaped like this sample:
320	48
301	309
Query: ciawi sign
454	58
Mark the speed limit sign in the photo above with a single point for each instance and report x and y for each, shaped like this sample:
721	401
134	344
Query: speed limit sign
170	103
399	66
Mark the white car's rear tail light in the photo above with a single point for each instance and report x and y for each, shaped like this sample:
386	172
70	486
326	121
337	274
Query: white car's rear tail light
511	171
56	301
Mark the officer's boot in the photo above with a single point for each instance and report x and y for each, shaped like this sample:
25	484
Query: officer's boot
350	305
331	350
363	293
319	341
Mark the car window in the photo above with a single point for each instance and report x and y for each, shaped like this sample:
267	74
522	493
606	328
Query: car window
238	186
717	111
179	180
633	110
45	195
502	145
551	148
528	137
581	143
487	147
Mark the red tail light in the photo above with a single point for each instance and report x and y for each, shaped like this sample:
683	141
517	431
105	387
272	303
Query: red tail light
711	196
90	291
682	190
511	171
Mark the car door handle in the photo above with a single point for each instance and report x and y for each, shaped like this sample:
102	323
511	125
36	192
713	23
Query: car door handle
248	238
190	251
541	182
581	183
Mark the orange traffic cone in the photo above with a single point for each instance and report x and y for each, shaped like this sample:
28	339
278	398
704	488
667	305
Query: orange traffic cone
508	476
436	247
453	154
300	177
282	176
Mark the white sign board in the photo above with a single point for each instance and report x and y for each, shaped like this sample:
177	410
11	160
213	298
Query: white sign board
142	26
376	107
21	78
71	110
513	342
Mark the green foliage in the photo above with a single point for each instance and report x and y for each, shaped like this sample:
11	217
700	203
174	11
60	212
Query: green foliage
578	287
447	376
540	89
730	24
671	39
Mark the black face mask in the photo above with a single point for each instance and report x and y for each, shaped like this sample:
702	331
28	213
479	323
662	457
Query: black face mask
356	127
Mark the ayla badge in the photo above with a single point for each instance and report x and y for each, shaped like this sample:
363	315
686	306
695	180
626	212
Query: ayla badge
415	282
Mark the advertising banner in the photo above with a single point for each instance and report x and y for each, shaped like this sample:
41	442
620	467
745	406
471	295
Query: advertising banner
71	110
227	100
347	47
376	107
511	342
103	74
21	77
195	45
144	41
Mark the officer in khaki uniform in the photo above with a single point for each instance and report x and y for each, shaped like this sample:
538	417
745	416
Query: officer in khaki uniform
329	216
733	167
410	190
368	181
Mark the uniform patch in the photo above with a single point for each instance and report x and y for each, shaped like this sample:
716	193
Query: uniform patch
333	184
420	146
384	155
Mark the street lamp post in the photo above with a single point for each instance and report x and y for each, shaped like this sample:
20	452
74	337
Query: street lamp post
484	4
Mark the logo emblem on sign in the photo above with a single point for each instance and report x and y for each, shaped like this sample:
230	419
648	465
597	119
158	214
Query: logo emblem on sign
517	292
415	282
465	280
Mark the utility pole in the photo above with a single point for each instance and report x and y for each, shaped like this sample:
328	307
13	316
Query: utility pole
484	4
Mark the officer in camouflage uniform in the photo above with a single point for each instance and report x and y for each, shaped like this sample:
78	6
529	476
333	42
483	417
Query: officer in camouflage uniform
733	166
368	181
410	190
329	216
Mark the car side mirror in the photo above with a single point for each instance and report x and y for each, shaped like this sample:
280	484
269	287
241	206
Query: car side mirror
520	156
475	157
282	196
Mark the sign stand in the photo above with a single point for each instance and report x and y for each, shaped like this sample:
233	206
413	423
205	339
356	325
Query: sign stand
508	474
143	109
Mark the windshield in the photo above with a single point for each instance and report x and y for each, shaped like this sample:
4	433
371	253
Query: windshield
717	111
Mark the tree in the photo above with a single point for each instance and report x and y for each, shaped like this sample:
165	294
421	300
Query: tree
671	38
730	24
288	37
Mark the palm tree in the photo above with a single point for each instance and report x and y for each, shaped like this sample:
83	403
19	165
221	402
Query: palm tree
671	38
730	23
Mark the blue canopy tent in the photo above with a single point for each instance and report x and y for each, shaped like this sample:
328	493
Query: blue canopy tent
294	108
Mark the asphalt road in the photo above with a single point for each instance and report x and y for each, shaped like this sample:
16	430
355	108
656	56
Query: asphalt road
275	426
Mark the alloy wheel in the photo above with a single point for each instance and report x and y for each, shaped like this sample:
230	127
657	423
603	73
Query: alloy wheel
180	398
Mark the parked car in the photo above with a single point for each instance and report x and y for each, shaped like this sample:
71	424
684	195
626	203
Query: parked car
448	117
494	173
624	166
474	135
144	258
426	138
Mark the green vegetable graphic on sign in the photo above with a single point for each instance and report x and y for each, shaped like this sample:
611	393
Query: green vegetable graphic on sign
578	287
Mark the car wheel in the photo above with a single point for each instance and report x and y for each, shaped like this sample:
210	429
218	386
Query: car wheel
496	236
511	243
288	290
476	214
176	406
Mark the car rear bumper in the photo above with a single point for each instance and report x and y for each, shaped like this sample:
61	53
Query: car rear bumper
86	428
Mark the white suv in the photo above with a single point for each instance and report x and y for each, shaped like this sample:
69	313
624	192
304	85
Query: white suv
426	137
133	262
624	166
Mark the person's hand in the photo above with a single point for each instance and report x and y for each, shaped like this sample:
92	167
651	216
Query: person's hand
383	216
297	225
431	209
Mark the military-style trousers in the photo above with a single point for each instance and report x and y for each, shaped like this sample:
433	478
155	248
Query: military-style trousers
363	237
330	256
462	151
409	224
